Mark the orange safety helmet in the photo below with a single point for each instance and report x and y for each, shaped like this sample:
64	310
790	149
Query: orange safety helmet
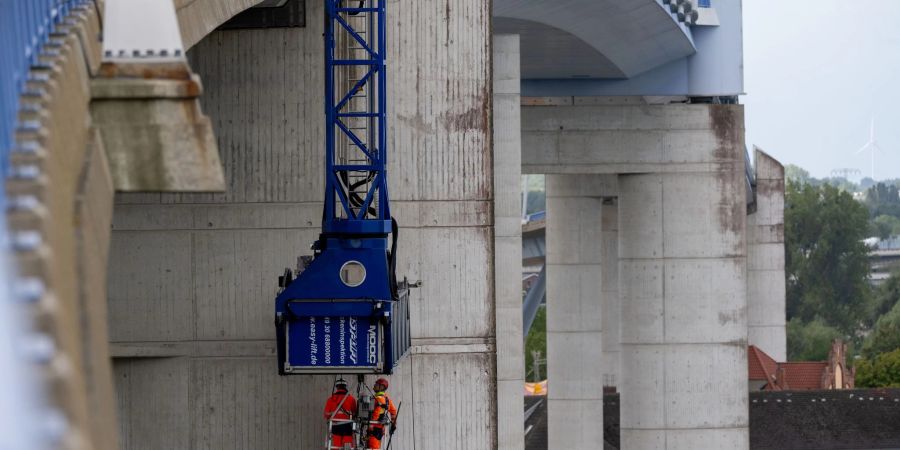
383	382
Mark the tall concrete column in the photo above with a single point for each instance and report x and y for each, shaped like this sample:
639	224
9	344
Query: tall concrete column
765	260
682	258
574	321
684	326
610	303
508	242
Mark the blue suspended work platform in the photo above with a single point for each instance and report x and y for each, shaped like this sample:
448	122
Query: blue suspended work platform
343	310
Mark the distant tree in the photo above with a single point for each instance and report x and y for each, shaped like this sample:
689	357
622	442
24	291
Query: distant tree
796	174
885	226
884	298
826	262
536	341
883	200
536	193
866	183
810	341
881	371
885	336
535	182
841	183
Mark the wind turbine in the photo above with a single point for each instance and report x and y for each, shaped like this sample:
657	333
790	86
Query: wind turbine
872	146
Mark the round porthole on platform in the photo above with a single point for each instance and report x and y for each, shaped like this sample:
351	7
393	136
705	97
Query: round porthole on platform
353	273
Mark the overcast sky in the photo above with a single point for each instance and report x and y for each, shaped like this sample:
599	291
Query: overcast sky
817	71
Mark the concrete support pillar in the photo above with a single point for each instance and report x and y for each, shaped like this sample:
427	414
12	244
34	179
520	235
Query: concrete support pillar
194	334
610	304
574	322
508	242
682	279
765	260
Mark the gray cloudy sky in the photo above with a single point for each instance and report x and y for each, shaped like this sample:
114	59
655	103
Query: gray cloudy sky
816	72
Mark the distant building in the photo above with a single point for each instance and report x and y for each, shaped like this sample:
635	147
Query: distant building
884	259
766	374
891	243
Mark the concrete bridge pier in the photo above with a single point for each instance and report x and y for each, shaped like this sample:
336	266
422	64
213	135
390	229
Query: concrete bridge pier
683	266
611	305
682	278
766	294
507	127
575	275
682	275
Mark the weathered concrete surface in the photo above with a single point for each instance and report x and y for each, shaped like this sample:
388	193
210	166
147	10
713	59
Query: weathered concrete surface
682	272
507	126
61	195
147	108
198	18
575	335
611	306
590	135
766	294
193	276
153	129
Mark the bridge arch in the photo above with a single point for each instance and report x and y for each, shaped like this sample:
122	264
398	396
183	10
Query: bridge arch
629	37
198	18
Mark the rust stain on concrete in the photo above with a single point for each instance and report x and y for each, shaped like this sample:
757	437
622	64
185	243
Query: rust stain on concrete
727	124
770	188
159	71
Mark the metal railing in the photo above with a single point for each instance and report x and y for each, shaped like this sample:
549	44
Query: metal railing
25	26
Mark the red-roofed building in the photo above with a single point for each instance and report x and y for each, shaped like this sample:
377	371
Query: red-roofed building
768	375
762	368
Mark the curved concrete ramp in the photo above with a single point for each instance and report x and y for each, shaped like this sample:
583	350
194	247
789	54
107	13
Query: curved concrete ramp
198	18
630	37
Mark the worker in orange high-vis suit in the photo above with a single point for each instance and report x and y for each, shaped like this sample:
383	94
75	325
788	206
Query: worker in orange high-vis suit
384	412
340	409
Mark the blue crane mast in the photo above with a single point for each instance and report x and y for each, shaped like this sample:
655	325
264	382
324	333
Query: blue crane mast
343	310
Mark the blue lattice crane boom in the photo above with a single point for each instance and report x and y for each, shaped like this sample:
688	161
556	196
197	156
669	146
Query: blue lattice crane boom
342	310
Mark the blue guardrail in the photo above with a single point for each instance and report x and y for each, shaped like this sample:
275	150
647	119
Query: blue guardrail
25	26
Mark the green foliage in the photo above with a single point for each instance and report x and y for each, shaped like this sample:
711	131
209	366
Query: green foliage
885	226
841	183
883	200
826	262
828	295
885	336
536	341
535	182
883	299
810	341
796	174
881	371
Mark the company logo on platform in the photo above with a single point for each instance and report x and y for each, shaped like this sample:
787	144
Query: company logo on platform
354	353
373	345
